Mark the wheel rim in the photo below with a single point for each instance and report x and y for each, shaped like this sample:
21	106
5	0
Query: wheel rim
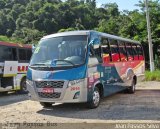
96	98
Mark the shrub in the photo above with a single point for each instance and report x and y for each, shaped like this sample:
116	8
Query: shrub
152	76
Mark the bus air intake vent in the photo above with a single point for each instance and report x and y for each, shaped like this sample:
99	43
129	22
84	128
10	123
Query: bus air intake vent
51	84
49	95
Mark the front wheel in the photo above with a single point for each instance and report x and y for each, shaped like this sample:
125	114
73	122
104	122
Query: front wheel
94	103
23	86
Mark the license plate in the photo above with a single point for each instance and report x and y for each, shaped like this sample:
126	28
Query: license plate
47	90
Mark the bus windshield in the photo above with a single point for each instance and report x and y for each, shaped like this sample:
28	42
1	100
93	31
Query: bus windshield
60	51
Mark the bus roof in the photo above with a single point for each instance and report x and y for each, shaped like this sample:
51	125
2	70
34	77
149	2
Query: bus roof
87	32
15	45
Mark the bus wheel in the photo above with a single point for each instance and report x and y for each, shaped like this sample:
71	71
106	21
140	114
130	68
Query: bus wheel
95	99
23	86
132	88
46	104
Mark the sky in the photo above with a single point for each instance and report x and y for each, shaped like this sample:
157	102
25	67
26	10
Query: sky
122	4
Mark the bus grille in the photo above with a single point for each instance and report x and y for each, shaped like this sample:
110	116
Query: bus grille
49	95
51	84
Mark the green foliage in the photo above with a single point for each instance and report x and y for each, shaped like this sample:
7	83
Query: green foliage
12	40
29	20
152	76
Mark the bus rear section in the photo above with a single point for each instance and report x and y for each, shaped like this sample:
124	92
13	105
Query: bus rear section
83	66
14	60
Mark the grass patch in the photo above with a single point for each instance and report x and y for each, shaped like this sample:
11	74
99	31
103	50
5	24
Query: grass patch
11	40
152	76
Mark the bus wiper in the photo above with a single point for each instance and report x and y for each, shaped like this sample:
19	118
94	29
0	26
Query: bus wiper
38	64
65	61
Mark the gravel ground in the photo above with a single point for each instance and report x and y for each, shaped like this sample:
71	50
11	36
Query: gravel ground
144	105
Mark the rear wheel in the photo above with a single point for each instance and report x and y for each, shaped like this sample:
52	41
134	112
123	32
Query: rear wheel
132	88
46	104
23	86
95	99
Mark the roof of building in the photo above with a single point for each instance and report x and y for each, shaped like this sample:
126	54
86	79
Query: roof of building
15	44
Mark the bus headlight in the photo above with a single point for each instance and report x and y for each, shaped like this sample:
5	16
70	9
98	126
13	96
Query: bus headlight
29	82
74	82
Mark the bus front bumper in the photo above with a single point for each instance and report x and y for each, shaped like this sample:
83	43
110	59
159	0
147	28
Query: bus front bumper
72	94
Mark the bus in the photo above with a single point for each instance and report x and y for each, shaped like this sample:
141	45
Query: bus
14	61
83	67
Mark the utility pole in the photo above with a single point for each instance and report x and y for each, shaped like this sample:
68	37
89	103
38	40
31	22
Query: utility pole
149	38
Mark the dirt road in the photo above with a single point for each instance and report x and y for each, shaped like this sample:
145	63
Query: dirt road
143	105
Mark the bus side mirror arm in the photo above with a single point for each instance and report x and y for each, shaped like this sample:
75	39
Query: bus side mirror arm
33	48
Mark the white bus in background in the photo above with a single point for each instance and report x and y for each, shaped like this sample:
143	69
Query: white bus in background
14	59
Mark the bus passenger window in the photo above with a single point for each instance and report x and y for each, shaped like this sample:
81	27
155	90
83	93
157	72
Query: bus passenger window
106	53
5	53
114	50
135	54
122	50
140	52
95	53
22	54
14	54
29	54
129	51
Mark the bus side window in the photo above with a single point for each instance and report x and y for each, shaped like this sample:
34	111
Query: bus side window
95	54
14	54
106	53
114	50
22	54
122	50
140	52
135	54
5	53
129	51
29	54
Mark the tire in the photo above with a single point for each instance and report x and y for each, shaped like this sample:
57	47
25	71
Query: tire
94	103
46	105
132	88
23	87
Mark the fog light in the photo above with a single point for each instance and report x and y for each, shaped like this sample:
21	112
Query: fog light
77	94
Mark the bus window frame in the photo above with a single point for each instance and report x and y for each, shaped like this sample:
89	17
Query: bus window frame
135	50
22	61
108	45
110	39
141	51
124	45
128	52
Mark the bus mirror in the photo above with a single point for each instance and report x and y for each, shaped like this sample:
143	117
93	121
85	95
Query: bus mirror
33	47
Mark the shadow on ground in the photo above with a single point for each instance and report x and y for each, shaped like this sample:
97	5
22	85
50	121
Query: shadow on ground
143	105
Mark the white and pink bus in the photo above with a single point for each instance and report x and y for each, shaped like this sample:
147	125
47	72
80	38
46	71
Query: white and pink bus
14	59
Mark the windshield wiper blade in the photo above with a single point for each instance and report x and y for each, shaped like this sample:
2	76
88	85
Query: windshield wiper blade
38	64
